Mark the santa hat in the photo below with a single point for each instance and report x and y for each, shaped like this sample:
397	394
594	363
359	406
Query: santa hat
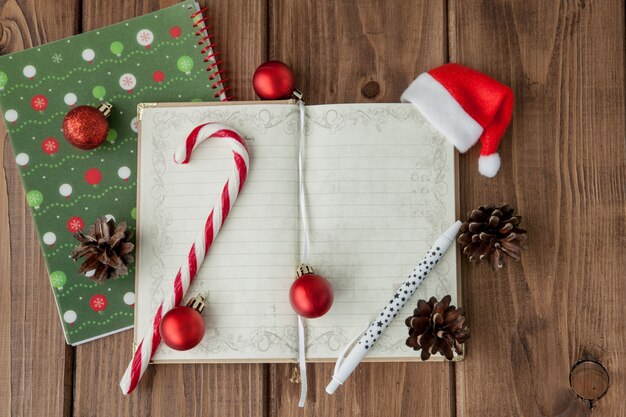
465	106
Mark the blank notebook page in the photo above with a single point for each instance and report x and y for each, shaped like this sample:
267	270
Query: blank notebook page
380	189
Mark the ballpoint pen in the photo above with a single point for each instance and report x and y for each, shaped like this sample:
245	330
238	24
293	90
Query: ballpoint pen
347	364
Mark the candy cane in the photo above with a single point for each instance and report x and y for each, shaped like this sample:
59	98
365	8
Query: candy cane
187	272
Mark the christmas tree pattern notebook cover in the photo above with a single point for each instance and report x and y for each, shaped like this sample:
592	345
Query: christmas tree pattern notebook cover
162	56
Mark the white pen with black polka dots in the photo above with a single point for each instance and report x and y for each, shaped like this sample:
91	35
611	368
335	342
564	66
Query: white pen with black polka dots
347	364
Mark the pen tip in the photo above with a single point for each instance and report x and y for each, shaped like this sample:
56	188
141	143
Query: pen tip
332	386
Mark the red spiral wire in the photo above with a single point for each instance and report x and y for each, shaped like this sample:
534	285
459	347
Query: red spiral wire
212	57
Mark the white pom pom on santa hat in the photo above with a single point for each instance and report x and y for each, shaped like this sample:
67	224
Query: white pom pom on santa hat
465	105
488	165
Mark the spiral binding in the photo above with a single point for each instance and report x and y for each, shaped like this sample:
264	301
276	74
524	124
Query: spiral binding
212	57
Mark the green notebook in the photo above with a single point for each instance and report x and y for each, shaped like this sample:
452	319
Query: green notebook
162	56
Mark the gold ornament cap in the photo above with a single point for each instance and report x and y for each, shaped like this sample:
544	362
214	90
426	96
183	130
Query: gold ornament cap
304	270
105	108
197	303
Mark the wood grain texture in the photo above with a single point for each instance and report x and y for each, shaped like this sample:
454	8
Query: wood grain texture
337	47
343	51
240	29
374	389
36	363
165	390
189	390
564	168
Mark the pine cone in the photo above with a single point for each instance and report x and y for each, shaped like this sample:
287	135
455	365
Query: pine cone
492	232
437	327
106	248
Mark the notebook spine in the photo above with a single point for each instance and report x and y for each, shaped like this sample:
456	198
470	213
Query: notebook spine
212	57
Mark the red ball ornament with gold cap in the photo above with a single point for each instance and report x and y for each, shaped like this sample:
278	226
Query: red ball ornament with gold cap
311	295
273	80
182	328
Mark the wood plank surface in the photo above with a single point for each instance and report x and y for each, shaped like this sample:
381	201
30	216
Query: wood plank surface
167	390
36	365
563	167
344	51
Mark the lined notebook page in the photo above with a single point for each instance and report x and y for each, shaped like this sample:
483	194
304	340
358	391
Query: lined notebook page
380	189
251	264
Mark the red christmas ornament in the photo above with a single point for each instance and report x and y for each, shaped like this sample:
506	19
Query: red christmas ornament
74	224
273	80
50	146
98	303
86	127
93	176
311	295
158	76
182	328
39	102
175	32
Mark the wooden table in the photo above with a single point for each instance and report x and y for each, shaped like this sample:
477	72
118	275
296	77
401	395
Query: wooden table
564	167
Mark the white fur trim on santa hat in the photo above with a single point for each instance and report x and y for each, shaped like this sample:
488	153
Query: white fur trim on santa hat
488	165
443	111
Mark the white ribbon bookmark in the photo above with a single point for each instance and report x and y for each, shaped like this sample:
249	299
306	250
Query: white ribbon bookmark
303	256
303	210
302	362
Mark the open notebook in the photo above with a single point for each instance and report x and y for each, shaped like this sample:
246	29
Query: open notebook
380	183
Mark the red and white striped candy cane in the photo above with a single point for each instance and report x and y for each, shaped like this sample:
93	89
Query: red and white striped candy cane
187	272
